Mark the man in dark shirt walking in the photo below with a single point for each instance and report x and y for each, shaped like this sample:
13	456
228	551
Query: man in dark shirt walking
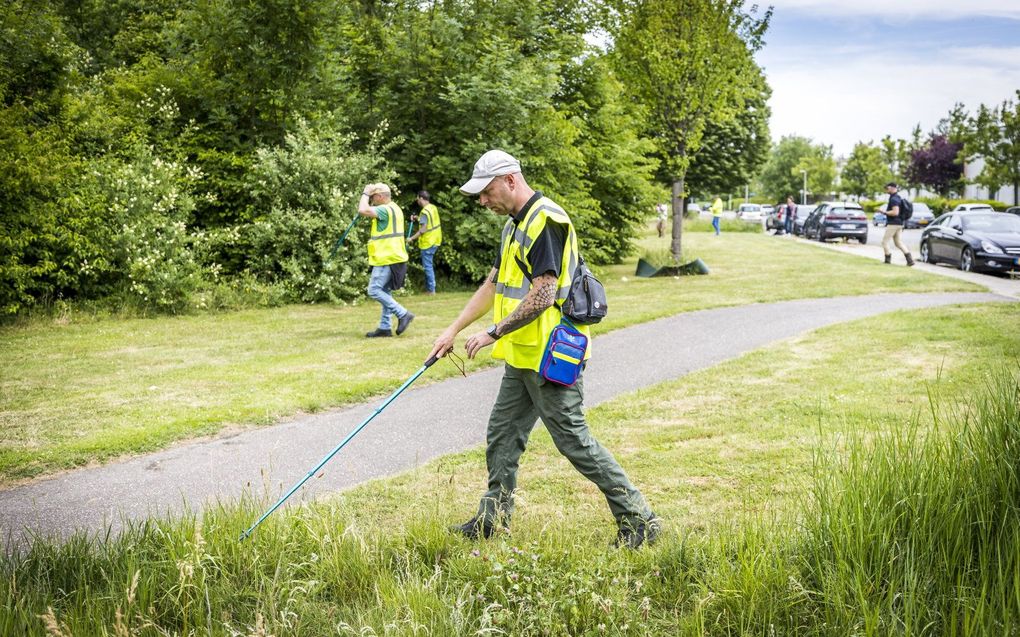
894	225
525	290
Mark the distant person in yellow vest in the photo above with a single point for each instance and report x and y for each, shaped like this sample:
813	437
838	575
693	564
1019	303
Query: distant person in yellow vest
716	214
525	288
429	236
387	255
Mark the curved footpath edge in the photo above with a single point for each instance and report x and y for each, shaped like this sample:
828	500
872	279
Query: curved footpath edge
420	425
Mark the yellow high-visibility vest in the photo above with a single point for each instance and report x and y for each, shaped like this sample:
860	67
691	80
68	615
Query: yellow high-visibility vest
386	245
432	234
524	347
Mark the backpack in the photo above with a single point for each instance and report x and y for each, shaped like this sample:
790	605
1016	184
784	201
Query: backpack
586	302
906	209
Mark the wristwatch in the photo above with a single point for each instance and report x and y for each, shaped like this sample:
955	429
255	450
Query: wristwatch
492	333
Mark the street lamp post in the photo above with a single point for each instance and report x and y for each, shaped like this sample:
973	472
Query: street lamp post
803	193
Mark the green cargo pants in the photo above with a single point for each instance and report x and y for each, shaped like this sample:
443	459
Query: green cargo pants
524	396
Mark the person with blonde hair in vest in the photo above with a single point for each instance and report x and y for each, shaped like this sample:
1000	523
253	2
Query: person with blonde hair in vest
525	290
387	255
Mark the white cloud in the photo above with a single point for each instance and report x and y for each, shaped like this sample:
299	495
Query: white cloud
1005	57
929	9
851	97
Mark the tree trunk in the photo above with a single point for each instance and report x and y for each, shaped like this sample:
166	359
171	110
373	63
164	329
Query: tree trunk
679	205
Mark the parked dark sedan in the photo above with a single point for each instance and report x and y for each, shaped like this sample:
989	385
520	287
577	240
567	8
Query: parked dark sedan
978	241
800	216
1014	210
834	219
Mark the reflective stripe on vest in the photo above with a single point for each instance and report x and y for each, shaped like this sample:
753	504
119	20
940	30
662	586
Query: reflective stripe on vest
386	244
524	347
433	234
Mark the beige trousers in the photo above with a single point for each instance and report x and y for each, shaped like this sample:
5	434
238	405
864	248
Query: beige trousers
893	234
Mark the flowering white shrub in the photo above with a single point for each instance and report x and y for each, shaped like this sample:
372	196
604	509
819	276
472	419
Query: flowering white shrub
307	193
152	199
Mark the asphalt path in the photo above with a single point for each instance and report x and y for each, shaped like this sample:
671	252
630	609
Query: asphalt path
423	423
996	283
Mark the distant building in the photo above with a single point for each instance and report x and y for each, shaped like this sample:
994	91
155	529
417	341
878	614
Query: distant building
971	170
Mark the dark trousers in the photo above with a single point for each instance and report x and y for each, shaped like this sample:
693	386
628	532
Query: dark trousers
524	396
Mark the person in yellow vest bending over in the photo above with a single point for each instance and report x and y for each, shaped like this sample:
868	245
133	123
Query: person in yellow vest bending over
387	255
429	236
525	289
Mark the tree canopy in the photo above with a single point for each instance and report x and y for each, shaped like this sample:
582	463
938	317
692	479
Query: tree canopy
996	137
866	171
793	160
687	63
178	154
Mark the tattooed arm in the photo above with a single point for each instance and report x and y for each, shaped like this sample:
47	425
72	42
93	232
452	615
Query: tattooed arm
540	297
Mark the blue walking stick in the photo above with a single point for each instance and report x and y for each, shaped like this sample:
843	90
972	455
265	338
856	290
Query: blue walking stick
340	241
340	446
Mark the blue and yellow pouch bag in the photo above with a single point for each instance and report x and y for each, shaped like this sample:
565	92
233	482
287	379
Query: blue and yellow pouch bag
564	355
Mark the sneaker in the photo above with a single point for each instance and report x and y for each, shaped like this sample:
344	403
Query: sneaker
474	528
647	531
910	260
378	332
403	322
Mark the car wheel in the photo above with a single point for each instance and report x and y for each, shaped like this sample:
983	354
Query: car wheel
863	240
967	260
926	255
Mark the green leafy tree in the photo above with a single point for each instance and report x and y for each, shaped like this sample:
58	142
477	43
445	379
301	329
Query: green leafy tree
467	84
779	177
733	150
996	138
866	171
687	62
897	155
820	168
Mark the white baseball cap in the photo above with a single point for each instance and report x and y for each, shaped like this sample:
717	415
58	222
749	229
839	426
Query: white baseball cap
377	189
492	164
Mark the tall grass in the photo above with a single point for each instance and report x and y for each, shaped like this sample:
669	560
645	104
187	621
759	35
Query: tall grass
921	534
914	532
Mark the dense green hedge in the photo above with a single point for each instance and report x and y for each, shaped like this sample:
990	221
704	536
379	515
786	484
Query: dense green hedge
166	154
939	205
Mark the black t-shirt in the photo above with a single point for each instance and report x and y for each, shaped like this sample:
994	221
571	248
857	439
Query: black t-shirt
894	201
546	254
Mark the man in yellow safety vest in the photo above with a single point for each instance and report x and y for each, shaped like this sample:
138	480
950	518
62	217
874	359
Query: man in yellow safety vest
429	236
525	288
387	255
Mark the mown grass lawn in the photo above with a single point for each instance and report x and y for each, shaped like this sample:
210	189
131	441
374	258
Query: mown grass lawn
84	391
728	456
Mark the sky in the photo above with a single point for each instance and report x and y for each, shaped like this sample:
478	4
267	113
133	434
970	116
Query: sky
845	71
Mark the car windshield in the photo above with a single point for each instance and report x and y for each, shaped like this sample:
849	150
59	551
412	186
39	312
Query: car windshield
992	223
